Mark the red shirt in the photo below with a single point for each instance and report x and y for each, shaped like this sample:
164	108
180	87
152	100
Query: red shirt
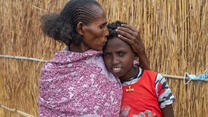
140	99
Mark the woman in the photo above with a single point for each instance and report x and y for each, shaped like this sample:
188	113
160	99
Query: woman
75	82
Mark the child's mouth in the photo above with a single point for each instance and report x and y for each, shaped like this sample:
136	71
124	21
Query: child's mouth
116	70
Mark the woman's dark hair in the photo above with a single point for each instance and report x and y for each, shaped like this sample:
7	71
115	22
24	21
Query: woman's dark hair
62	26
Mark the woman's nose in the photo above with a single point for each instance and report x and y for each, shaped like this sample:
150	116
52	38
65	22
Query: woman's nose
106	31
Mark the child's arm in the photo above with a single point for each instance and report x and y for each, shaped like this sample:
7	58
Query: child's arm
168	111
130	35
165	96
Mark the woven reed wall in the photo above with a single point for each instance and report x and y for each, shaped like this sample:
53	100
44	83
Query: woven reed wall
175	33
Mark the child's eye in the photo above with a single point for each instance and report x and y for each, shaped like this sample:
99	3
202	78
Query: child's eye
121	54
106	54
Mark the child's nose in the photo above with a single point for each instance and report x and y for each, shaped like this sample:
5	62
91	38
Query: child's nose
115	60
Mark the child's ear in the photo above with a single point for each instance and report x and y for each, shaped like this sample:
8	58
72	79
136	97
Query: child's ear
80	28
135	56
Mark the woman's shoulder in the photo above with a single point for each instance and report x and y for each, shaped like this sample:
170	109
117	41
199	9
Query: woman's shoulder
66	56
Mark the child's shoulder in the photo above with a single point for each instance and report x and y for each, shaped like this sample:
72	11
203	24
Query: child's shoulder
155	76
150	72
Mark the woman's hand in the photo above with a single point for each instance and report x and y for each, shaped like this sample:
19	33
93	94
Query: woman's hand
131	35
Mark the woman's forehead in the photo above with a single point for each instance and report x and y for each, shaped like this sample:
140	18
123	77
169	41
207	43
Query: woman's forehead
99	16
97	10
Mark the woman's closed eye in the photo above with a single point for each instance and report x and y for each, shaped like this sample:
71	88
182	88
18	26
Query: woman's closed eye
103	26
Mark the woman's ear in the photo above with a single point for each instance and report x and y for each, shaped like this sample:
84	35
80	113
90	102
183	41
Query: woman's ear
80	28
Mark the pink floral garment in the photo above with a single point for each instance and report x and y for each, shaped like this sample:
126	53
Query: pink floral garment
78	85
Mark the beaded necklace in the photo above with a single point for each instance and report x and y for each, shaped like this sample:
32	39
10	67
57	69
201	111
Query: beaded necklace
132	79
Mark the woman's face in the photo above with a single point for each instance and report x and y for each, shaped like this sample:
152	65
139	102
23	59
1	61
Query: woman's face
95	32
119	58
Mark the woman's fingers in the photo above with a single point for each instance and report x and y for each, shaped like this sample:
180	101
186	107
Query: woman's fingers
131	35
125	39
137	46
127	30
127	34
129	27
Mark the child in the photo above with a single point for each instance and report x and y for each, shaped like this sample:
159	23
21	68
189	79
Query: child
145	93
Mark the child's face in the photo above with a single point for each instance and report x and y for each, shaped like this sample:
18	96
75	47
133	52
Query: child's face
119	58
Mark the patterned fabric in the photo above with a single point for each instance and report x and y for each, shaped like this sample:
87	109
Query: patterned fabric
145	95
164	94
78	85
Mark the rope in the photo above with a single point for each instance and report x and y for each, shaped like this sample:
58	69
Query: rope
185	77
199	78
23	58
182	78
16	111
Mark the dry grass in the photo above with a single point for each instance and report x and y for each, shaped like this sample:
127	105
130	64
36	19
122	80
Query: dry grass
175	34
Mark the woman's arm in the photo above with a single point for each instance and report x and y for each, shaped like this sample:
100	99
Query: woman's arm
131	35
168	111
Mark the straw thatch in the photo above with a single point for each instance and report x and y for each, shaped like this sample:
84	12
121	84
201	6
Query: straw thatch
175	33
